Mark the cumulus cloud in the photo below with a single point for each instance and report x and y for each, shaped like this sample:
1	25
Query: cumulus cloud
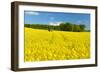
55	23
31	13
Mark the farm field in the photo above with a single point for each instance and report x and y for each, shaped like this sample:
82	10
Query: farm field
42	45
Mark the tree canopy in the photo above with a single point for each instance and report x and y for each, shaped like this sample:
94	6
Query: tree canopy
62	27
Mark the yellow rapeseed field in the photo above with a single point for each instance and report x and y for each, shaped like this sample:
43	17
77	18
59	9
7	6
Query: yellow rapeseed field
42	45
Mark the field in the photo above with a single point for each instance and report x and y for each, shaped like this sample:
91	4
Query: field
42	45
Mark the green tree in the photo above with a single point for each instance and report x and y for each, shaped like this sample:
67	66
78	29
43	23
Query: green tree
66	26
82	27
76	28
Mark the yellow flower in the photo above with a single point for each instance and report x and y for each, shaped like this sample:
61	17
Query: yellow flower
42	45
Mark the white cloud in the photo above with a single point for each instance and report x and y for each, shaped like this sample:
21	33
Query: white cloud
31	13
55	23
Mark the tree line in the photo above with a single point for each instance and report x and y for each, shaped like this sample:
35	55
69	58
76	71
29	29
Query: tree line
62	27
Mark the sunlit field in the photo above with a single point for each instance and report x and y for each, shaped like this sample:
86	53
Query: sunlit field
42	45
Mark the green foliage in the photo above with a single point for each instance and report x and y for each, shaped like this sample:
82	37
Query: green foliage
62	27
72	27
76	28
66	26
82	27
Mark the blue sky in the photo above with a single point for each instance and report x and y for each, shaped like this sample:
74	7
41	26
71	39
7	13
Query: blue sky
41	17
